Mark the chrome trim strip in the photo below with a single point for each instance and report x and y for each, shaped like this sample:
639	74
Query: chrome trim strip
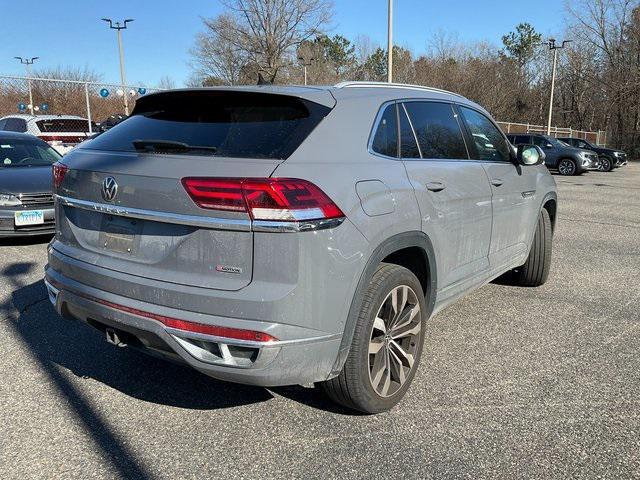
415	137
249	343
300	226
243	225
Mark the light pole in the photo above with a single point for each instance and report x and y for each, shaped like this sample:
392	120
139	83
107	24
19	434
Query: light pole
553	46
118	28
390	43
27	62
305	64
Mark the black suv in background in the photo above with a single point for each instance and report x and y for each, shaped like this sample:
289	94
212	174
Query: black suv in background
609	158
561	156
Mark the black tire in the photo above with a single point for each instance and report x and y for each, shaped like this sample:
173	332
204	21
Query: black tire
353	387
535	270
606	164
567	167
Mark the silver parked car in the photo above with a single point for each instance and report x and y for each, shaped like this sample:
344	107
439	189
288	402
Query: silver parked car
295	235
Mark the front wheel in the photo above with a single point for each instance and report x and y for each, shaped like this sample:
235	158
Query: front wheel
606	165
386	346
535	270
567	167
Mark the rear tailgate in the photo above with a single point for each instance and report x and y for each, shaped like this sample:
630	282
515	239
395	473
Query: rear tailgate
153	229
150	226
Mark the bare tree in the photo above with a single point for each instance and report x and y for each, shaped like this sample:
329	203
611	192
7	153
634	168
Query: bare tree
216	54
260	35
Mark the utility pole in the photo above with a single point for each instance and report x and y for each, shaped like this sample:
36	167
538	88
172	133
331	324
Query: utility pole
554	47
118	28
27	62
305	64
390	43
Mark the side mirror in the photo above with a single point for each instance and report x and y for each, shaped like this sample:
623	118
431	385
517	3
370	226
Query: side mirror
530	155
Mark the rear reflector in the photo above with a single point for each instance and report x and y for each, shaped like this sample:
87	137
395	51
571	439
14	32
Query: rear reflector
59	171
178	324
273	199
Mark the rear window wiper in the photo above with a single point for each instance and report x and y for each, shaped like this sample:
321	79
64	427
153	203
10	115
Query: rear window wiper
168	146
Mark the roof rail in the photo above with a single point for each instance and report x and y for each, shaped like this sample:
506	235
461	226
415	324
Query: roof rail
392	85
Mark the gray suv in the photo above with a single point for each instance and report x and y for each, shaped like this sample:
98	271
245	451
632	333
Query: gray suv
295	235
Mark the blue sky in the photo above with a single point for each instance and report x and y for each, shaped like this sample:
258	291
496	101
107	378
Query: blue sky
69	32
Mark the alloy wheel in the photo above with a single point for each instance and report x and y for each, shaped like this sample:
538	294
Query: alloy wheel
394	340
604	165
567	167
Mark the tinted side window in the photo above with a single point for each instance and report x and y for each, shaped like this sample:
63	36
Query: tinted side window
15	125
520	139
581	144
489	142
541	141
437	130
385	140
2	123
408	146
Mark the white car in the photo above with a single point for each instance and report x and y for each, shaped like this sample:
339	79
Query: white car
63	132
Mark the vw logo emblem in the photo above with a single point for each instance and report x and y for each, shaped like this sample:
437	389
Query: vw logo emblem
109	189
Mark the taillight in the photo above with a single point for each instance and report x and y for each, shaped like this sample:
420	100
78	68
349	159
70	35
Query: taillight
59	171
273	199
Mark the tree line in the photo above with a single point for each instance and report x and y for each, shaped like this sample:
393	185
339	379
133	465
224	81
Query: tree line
597	81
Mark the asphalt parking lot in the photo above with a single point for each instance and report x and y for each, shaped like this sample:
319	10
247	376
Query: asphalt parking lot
514	382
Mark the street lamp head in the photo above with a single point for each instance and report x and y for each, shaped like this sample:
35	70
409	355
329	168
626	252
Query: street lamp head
34	58
18	58
129	20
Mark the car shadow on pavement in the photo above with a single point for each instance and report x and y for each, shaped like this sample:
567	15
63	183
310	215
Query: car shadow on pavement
83	351
23	241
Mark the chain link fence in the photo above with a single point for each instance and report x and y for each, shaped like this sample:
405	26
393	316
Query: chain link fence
95	102
98	102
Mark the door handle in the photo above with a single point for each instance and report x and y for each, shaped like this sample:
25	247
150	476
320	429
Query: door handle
496	182
435	186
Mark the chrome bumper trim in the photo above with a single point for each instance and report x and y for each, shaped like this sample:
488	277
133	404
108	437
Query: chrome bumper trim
243	225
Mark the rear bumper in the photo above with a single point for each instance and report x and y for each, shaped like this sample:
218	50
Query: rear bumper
300	356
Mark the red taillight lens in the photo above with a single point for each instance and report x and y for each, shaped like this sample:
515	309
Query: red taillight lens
273	199
59	171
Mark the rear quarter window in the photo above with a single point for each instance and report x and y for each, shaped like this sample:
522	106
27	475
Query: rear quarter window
385	139
227	124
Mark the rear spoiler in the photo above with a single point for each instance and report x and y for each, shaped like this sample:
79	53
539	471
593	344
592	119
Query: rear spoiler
320	96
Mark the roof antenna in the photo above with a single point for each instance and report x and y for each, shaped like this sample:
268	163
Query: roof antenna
261	80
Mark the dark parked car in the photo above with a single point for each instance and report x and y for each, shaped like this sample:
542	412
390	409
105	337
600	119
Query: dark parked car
609	158
26	203
566	159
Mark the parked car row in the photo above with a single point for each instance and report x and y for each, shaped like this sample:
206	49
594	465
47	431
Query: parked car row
572	156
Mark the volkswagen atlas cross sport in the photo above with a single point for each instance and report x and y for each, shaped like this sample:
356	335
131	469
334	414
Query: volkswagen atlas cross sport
295	235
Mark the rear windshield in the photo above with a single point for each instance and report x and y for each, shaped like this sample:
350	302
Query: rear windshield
64	125
222	123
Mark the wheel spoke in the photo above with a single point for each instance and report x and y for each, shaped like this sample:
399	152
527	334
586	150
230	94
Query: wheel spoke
386	379
375	345
406	318
394	303
397	367
407	331
404	357
378	367
378	324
